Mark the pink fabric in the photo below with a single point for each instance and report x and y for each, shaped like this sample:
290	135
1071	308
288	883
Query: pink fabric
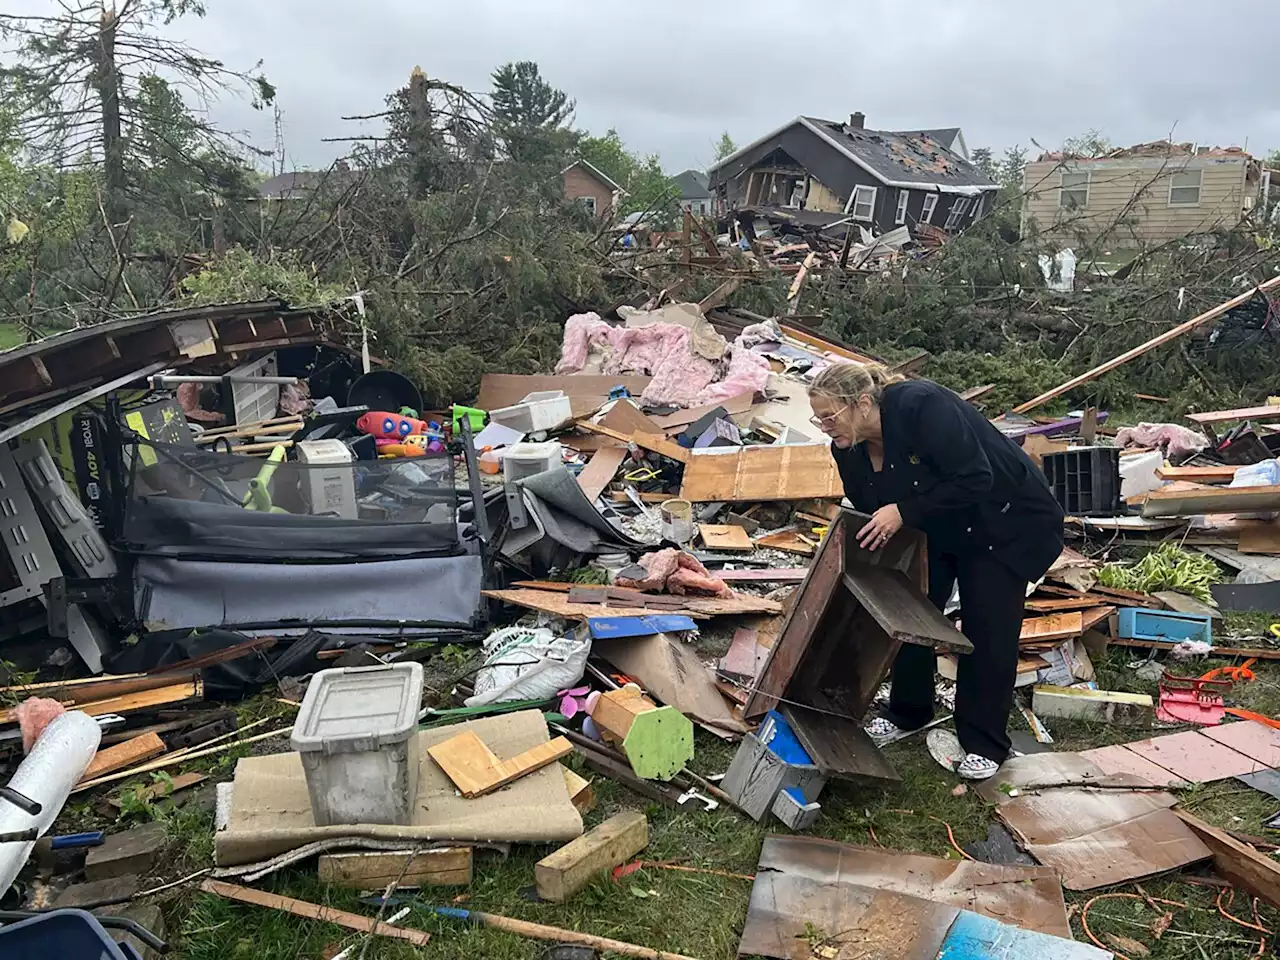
664	352
679	573
1174	440
34	714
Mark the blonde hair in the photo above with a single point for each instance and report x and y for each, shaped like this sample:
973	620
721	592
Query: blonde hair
847	382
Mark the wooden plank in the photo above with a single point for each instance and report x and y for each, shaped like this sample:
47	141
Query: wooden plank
839	746
1055	626
648	441
1151	344
1065	603
762	473
1095	615
789	541
377	869
313	911
797	285
976	393
129	703
581	793
600	470
626	418
475	770
1181	603
124	755
698	607
164	788
675	422
1260	536
778	575
717	536
506	389
565	872
902	612
1238	862
1270	411
719	295
1222	474
1188	503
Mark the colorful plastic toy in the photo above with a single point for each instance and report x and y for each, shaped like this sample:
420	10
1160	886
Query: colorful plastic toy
390	426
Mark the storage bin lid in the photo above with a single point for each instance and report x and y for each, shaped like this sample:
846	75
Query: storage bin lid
355	709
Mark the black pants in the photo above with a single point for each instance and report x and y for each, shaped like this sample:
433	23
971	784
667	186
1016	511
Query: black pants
992	597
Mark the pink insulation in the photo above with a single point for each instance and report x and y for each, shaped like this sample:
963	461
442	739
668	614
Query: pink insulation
33	716
664	352
679	573
1175	441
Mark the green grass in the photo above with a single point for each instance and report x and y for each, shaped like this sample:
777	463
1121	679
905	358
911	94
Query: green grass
702	915
10	335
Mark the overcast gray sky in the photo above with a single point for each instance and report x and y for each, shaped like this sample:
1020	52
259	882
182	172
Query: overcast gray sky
670	76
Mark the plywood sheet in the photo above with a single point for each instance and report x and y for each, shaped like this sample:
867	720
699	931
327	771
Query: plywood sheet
600	470
1055	626
1255	740
1120	759
1194	757
505	389
625	417
1258	536
1191	503
697	607
676	422
762	473
717	536
477	770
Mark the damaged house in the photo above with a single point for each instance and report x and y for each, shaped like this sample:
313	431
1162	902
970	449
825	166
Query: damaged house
1149	193
843	171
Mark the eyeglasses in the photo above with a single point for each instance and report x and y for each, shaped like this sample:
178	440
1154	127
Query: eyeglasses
825	423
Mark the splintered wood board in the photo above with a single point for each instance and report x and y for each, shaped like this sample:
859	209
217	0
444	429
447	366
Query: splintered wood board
600	470
1055	626
762	473
476	770
788	541
551	601
724	537
376	869
1066	603
649	441
124	755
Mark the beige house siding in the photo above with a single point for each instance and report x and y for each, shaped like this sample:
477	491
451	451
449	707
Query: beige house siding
1142	186
821	199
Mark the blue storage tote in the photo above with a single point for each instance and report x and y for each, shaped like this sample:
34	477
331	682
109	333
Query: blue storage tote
1138	623
61	934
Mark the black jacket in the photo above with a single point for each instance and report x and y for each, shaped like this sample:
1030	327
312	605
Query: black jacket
958	479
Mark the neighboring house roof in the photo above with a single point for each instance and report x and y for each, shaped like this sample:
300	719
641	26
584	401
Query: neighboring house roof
895	159
1156	148
693	185
595	172
299	183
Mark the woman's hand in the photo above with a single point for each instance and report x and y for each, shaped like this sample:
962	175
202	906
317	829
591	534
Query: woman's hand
884	523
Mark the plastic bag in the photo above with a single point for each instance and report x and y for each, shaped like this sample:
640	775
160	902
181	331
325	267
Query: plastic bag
528	664
1264	474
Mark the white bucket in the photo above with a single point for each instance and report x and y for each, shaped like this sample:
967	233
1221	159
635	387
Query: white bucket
677	520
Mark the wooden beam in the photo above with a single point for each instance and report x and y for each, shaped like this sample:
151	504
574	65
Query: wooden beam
1151	344
124	755
647	441
797	285
1222	474
1238	862
377	869
565	872
1268	412
1185	503
475	770
313	911
719	295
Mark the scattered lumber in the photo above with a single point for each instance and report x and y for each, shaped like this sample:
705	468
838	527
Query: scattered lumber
1151	344
1222	474
655	442
377	869
181	756
123	755
129	702
761	473
565	872
789	541
165	788
554	602
767	575
600	470
313	911
1040	605
1055	626
1258	653
476	770
1238	862
1267	412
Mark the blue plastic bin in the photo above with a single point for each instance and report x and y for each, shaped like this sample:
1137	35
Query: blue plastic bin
1138	623
64	934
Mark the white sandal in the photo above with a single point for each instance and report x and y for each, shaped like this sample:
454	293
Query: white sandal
977	767
882	731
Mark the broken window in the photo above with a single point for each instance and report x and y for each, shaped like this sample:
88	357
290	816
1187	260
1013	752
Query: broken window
589	203
958	210
863	203
1074	194
977	208
1184	188
930	203
901	215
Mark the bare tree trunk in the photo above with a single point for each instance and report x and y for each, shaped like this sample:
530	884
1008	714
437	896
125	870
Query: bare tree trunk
107	82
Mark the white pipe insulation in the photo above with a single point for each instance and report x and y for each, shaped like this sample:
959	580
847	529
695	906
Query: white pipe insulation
55	765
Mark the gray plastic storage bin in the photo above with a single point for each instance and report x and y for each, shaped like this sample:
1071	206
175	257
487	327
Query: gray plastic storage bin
357	735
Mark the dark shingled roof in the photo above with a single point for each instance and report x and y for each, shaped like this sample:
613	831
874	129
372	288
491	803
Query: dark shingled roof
693	185
904	157
298	183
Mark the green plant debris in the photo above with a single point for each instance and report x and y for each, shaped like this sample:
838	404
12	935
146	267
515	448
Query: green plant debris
1167	568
